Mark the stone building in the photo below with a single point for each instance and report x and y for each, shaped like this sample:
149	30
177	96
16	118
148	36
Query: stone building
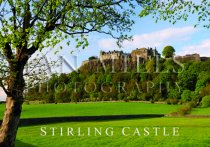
188	57
144	54
113	55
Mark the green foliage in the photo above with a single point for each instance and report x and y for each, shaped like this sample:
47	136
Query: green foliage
172	101
31	26
133	95
175	10
195	96
92	58
186	96
188	77
174	93
185	109
168	51
205	91
203	80
48	23
91	84
206	101
150	66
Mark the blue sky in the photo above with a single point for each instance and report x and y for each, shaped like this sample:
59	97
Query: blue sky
146	33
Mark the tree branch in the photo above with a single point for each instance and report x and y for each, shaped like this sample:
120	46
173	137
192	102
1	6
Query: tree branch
8	51
36	17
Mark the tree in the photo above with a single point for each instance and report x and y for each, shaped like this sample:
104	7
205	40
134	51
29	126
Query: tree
203	80
31	26
175	10
92	58
168	51
150	66
186	96
206	101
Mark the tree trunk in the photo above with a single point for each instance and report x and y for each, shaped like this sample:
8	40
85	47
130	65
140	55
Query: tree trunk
14	101
10	122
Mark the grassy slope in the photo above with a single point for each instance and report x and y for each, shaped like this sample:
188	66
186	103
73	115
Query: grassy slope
85	109
193	132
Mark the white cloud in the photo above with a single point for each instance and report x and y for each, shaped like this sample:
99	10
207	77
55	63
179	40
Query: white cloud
203	48
154	39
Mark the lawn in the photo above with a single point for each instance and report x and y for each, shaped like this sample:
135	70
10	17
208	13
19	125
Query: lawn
201	111
192	132
93	109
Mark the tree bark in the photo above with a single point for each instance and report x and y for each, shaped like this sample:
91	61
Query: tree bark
10	122
14	101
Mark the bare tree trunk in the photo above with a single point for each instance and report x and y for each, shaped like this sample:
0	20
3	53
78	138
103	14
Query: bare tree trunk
10	122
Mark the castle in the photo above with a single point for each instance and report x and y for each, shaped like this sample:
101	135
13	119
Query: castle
142	54
113	55
188	57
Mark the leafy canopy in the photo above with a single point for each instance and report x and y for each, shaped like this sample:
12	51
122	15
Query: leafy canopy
27	26
175	10
168	51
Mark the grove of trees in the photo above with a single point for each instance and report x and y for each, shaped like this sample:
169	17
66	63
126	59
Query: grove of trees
173	82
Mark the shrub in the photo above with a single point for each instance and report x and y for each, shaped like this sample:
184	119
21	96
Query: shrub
152	101
185	109
205	101
172	101
193	104
174	93
195	96
186	96
120	96
205	91
126	99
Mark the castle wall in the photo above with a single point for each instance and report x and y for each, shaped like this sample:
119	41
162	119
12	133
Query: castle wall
190	57
142	53
112	55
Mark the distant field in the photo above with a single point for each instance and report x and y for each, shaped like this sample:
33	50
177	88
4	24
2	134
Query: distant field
99	108
192	132
90	109
201	111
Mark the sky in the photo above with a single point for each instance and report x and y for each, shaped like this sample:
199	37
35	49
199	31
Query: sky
146	33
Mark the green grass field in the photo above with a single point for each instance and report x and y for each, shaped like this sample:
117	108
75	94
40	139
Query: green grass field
192	132
90	109
201	111
100	108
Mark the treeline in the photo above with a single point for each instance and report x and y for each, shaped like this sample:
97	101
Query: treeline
162	80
